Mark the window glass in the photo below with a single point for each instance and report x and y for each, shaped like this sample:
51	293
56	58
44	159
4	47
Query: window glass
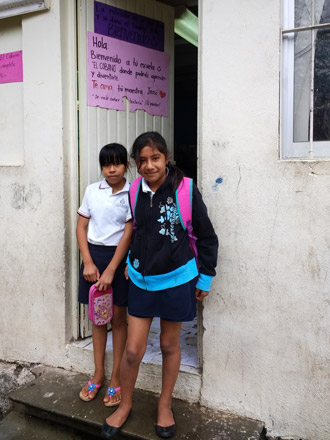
302	85
306	79
302	13
322	11
321	126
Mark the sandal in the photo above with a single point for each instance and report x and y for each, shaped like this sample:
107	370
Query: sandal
111	392
91	387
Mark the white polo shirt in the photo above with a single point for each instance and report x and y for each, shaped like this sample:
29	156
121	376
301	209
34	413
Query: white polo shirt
107	213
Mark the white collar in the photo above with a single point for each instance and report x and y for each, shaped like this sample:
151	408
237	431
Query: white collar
146	187
104	185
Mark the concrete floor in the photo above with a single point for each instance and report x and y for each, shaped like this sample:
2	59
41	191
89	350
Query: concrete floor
189	355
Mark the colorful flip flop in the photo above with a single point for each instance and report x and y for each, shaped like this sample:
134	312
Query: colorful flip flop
111	392
91	387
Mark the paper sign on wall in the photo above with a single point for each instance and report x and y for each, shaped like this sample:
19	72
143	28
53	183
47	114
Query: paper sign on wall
117	69
11	67
127	26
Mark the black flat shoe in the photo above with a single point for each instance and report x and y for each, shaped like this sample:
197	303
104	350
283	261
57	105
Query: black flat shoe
165	431
109	431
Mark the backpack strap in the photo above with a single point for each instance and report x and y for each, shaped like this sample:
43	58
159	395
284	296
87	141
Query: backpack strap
183	196
133	192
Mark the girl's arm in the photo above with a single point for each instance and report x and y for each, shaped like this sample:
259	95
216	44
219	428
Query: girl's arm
107	276
91	272
207	245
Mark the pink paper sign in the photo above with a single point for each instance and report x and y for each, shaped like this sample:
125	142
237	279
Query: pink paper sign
11	67
117	69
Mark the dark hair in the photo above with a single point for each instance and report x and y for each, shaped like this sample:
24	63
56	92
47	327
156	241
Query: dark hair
156	140
115	154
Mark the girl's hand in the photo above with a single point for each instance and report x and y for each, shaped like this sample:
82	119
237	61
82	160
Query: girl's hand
105	281
91	272
200	294
126	272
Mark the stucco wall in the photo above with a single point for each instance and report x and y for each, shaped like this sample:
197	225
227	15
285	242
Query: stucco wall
266	347
266	343
32	209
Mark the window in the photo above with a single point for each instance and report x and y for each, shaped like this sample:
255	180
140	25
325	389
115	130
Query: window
305	111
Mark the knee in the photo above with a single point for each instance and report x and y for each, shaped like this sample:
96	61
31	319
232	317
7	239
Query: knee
119	320
169	347
133	354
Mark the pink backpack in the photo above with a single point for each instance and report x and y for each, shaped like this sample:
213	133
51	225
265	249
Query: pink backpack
183	196
100	305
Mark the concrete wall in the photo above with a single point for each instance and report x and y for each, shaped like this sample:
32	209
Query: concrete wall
266	347
36	314
266	341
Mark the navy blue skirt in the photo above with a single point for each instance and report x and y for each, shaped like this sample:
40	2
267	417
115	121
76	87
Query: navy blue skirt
102	255
175	304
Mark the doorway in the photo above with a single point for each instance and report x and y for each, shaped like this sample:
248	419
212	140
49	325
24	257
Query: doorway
185	157
185	105
99	126
185	154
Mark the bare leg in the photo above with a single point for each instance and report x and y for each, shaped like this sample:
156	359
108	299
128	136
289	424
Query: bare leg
138	330
171	353
99	333
119	336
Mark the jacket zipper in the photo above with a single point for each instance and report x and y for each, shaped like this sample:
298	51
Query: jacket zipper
146	242
149	227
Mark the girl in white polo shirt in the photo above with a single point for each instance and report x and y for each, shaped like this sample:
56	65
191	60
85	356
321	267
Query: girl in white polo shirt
104	230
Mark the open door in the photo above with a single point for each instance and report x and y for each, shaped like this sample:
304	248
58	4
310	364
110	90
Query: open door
99	126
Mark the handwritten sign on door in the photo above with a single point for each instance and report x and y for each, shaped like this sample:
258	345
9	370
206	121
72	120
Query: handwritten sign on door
117	69
11	67
128	26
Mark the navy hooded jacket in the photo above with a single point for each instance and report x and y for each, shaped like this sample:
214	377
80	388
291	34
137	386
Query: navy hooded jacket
160	256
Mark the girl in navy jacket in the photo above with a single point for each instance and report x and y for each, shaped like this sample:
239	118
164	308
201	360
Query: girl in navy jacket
165	278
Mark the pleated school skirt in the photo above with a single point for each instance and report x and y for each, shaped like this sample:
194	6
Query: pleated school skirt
175	304
102	256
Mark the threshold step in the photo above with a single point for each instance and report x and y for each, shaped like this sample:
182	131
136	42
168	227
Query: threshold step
18	426
53	397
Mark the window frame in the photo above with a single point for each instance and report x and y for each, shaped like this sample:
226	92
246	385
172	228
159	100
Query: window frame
11	8
289	149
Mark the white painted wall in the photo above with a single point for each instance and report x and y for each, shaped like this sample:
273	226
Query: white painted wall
36	310
266	348
266	341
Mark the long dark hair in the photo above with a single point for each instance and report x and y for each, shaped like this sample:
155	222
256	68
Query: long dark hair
156	140
113	154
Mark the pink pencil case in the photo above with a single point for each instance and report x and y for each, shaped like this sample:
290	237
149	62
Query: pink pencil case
100	305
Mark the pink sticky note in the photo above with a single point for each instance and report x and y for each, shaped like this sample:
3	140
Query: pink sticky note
11	67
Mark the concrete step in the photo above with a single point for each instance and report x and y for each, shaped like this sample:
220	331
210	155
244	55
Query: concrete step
20	426
53	397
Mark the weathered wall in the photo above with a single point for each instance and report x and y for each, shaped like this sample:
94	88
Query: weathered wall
266	341
32	209
266	347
